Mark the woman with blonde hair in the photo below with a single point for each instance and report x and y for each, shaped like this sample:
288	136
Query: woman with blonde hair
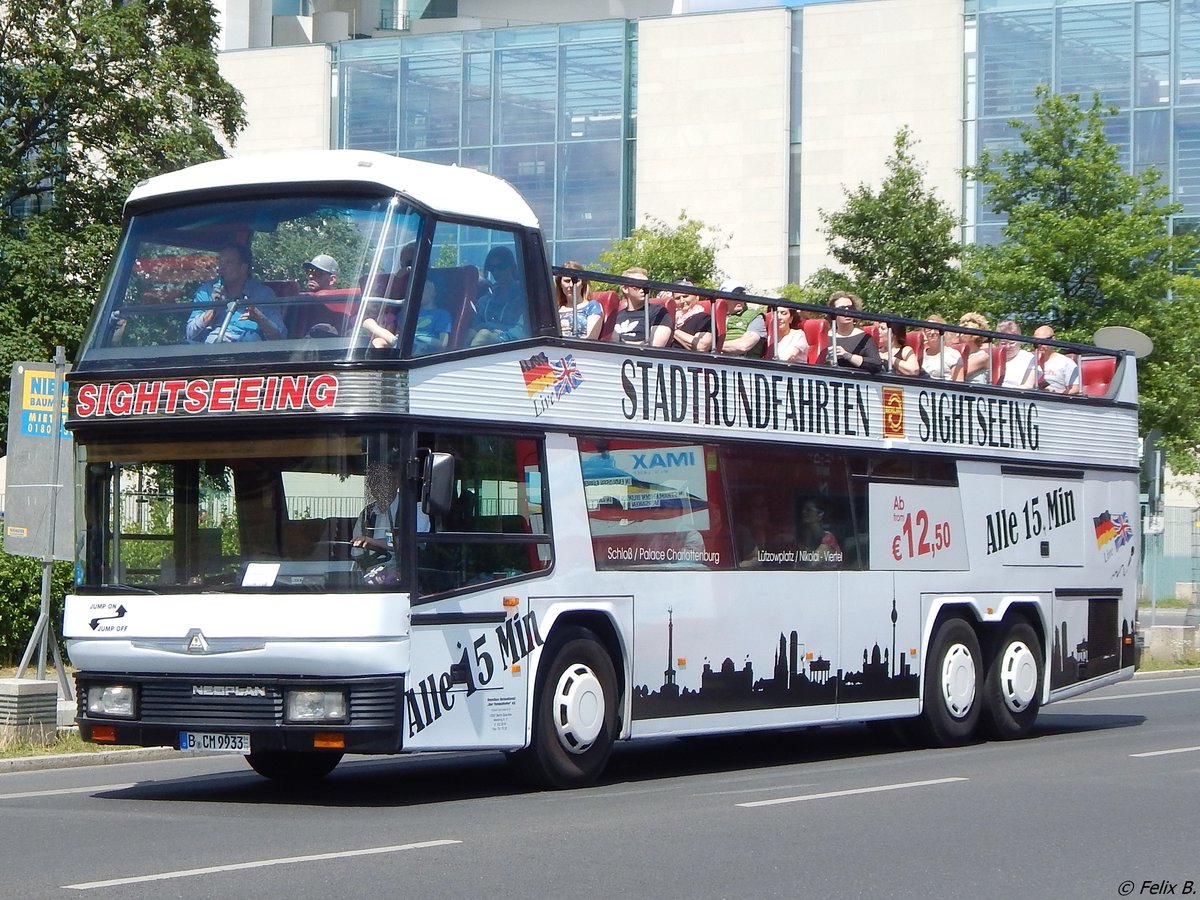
578	314
940	359
975	360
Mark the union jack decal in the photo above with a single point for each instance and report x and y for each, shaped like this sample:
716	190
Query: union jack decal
566	376
1124	530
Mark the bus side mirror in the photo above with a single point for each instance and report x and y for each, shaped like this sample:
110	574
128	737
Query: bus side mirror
437	484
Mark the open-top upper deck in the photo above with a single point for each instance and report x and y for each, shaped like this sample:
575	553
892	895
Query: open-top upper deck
440	295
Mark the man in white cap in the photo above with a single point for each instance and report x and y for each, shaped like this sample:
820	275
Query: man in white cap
745	327
320	273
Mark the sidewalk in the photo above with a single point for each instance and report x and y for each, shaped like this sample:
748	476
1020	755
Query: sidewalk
143	754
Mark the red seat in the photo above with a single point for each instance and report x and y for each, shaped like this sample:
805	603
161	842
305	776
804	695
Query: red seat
999	358
609	302
334	307
390	285
816	332
916	340
769	347
456	290
720	314
1096	375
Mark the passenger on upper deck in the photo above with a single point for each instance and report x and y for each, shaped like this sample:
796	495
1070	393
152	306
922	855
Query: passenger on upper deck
975	362
853	347
1020	367
791	344
901	359
693	322
629	326
940	359
578	314
500	313
1058	373
320	273
745	326
242	319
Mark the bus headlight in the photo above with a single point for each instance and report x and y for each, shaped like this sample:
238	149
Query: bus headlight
315	706
114	700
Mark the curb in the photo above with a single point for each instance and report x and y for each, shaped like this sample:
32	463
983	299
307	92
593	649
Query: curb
1166	673
99	758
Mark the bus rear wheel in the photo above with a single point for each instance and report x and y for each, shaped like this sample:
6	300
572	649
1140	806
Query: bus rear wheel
575	714
293	766
1012	690
952	685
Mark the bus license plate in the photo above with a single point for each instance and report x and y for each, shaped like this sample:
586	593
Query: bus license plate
214	743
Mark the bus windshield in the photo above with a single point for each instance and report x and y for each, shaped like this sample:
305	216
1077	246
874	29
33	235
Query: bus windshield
325	511
274	278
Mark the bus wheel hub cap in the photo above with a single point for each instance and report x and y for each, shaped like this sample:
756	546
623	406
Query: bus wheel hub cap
958	680
578	708
1018	676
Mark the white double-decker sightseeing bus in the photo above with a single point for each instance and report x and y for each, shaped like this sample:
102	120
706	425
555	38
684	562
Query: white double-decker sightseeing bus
396	511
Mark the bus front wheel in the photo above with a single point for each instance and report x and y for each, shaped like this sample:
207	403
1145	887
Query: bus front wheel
575	714
952	684
293	766
1012	690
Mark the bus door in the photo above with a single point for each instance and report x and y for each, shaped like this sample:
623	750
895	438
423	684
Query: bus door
472	629
468	685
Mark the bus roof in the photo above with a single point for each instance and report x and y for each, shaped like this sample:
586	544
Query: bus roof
444	189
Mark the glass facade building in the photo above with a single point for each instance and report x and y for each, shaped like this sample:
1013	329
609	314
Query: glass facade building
552	108
1140	56
548	108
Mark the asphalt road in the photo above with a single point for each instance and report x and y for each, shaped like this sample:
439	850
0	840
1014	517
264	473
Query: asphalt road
1105	793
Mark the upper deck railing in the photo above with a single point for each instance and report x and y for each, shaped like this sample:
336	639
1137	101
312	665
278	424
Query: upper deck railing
1099	369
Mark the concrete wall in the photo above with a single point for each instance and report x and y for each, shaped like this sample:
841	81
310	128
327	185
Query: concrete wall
288	97
712	132
870	68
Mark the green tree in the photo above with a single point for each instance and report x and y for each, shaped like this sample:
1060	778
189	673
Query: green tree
281	254
94	97
1086	244
668	252
898	243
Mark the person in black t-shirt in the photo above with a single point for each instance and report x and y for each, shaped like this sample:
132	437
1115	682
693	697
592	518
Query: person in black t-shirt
634	315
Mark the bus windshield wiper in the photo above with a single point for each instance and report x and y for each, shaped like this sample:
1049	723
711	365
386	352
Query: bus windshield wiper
118	588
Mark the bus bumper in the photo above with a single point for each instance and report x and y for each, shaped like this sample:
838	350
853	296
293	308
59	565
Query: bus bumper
219	714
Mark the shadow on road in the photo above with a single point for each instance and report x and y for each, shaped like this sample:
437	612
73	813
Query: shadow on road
401	781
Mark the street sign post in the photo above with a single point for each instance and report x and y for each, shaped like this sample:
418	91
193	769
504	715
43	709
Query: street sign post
39	502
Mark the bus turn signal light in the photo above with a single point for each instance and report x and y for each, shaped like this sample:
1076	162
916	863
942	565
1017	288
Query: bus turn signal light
329	740
106	733
512	601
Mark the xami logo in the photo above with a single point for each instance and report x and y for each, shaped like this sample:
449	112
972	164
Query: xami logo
683	459
548	382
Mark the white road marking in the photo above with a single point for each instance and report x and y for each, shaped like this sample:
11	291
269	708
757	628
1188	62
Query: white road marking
257	864
92	788
1123	696
1164	752
849	793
